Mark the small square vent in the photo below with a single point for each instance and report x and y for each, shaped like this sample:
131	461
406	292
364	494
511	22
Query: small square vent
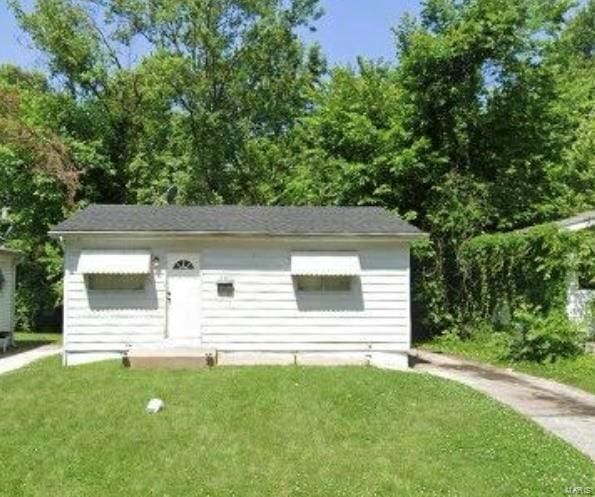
225	289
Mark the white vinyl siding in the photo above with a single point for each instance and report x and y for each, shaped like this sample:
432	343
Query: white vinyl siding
266	313
7	265
111	320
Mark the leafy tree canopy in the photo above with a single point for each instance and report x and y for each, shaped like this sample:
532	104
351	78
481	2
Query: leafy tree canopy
484	123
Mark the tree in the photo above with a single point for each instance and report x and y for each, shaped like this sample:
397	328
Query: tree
38	182
216	79
453	135
572	60
485	123
346	151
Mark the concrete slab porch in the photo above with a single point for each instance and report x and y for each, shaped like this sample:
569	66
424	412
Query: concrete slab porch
170	358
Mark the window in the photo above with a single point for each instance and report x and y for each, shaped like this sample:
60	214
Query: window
323	283
309	283
225	289
183	265
116	281
336	283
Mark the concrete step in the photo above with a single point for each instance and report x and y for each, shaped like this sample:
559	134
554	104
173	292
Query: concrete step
170	358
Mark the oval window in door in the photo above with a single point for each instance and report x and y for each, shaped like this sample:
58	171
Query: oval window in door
183	265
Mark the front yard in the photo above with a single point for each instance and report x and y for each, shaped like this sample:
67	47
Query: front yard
490	348
268	432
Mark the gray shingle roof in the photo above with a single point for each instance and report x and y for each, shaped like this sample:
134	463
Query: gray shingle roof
237	220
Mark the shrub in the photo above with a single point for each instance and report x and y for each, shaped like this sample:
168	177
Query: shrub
504	270
544	338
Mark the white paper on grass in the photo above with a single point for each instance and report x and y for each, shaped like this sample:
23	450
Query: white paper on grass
155	405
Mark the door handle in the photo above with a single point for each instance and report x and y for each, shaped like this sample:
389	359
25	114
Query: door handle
168	294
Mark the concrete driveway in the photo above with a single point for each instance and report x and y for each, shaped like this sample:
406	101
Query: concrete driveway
565	411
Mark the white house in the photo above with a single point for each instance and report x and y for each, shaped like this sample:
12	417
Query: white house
270	285
8	260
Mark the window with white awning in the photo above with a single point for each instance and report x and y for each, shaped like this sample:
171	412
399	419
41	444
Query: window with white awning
109	270
114	262
325	272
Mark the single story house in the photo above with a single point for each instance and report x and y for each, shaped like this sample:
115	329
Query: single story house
258	285
8	262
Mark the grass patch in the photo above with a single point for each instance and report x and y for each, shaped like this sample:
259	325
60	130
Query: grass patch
490	347
26	338
257	432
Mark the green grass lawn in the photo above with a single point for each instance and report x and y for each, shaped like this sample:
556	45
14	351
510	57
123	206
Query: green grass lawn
489	348
258	432
27	338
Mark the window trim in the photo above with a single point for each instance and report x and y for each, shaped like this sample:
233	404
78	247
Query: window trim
184	265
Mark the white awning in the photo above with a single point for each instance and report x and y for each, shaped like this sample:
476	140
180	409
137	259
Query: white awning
325	263
114	262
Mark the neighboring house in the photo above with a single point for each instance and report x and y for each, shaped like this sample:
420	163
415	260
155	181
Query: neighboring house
255	284
8	261
580	298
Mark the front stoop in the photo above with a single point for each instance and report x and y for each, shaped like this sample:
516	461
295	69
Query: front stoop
175	358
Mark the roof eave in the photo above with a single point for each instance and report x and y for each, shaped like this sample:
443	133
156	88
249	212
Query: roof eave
243	234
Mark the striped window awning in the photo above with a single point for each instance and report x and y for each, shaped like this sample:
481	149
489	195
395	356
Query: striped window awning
325	264
114	262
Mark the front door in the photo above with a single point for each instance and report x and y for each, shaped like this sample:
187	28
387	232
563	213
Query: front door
183	296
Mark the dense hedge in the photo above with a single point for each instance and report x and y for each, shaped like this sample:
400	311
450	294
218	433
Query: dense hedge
531	267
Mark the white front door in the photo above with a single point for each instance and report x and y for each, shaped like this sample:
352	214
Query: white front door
183	296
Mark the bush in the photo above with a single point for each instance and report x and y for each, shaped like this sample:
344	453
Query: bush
502	271
542	338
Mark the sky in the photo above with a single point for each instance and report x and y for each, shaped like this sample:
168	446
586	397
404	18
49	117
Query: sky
349	28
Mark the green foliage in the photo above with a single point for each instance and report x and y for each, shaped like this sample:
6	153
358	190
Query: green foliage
544	338
38	181
585	261
478	107
217	80
429	298
206	108
518	282
484	124
502	271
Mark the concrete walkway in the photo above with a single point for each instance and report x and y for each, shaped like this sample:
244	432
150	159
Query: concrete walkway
22	359
565	411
